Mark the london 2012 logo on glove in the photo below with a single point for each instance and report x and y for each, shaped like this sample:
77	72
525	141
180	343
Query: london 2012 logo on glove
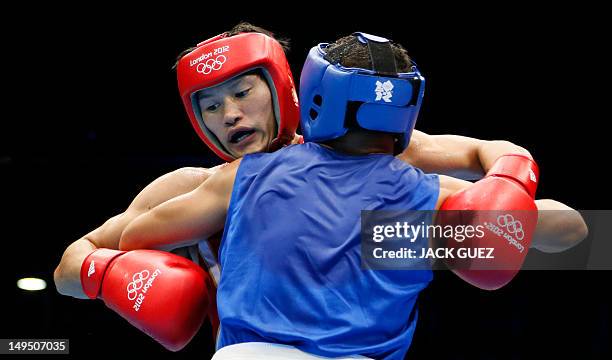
509	228
138	283
514	227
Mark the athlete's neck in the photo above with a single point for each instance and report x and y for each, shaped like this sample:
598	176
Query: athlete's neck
362	142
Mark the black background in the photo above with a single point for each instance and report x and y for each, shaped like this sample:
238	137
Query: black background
91	114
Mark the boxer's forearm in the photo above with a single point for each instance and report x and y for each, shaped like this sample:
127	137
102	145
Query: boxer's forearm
67	275
559	227
458	156
490	151
179	222
168	186
183	220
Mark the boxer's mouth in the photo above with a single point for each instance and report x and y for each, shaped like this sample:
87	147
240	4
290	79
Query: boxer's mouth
239	135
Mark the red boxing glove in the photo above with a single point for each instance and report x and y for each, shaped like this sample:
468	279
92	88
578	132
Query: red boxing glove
506	192
162	294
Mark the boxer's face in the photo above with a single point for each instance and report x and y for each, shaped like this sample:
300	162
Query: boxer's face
240	114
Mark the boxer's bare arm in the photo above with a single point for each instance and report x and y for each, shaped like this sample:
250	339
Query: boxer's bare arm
448	186
458	156
183	220
67	273
469	158
559	227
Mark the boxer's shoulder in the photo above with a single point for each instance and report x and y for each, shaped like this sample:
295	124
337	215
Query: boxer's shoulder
221	180
168	186
196	172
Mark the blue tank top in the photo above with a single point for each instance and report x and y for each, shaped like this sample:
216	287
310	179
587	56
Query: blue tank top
290	254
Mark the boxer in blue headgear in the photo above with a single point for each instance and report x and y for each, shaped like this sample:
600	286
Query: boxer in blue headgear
296	213
387	100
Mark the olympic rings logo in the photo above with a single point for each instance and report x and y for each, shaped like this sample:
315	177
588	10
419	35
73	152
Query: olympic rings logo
136	284
211	65
513	226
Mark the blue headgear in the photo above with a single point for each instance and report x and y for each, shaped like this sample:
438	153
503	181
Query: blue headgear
390	100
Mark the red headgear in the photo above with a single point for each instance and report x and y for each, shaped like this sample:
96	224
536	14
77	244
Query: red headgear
223	57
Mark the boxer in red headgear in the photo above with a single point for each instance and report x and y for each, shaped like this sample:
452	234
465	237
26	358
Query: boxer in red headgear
268	103
239	67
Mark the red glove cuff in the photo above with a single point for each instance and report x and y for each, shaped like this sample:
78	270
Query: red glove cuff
93	269
520	168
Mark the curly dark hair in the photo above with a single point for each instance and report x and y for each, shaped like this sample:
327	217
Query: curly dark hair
348	51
